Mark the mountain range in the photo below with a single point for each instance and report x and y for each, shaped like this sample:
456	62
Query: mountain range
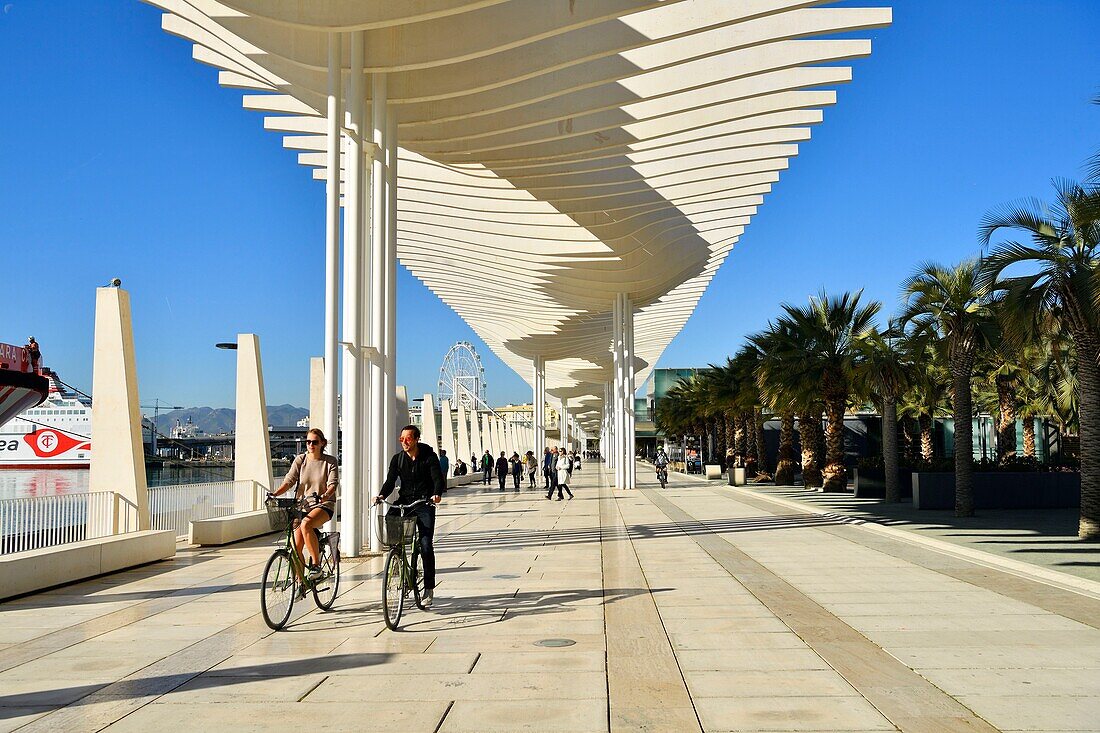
213	420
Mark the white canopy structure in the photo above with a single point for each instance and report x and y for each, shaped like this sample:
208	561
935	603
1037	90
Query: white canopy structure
567	175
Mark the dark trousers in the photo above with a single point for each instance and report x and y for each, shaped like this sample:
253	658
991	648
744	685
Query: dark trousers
485	476
546	475
501	478
559	487
531	475
425	525
515	480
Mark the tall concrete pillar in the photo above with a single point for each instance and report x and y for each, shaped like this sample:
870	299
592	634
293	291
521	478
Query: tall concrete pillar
403	416
317	393
538	405
330	423
390	350
617	403
487	434
251	441
564	420
447	435
477	445
629	417
118	461
429	433
463	448
377	441
352	477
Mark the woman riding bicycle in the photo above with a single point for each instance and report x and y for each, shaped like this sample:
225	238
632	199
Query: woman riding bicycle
316	475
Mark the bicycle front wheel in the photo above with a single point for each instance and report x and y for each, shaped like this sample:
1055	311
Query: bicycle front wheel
325	589
280	585
393	588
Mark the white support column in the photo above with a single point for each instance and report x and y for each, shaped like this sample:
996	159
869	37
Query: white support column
487	434
117	464
331	424
617	388
251	439
477	446
463	449
377	440
392	427
352	479
428	432
563	420
317	393
447	435
538	406
628	330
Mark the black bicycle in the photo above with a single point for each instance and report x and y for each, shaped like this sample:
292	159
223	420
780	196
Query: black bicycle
403	575
285	577
662	475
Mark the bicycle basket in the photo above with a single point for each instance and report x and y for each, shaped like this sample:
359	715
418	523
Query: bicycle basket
278	512
393	529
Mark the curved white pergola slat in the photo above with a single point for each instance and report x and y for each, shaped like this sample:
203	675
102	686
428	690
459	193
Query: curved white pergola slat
569	175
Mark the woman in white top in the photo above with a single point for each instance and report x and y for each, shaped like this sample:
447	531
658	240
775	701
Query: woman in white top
316	476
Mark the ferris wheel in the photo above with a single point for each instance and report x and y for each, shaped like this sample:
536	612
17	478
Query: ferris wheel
462	378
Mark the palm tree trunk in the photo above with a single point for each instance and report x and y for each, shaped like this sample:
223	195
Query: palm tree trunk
809	429
890	448
1088	377
761	446
731	436
1006	424
835	473
719	440
750	444
1029	437
964	440
740	440
784	467
926	425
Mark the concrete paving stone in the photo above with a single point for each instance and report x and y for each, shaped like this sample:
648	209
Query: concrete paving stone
748	683
1038	713
996	658
977	621
758	610
562	660
499	686
789	714
222	689
650	719
734	640
1016	682
549	715
27	692
315	643
763	660
688	626
351	664
1083	639
12	718
525	643
268	716
388	643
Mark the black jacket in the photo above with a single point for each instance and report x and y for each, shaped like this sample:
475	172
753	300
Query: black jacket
420	479
502	466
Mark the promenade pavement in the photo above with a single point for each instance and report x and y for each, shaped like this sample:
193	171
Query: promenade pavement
699	607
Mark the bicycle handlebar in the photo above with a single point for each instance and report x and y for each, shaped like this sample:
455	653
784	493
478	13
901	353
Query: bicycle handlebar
405	507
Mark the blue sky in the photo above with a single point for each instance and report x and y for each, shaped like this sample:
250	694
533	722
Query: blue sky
121	157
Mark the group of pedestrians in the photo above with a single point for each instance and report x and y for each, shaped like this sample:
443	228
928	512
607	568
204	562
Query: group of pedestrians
557	470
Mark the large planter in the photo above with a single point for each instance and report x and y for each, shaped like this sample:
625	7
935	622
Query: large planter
871	483
737	477
1060	490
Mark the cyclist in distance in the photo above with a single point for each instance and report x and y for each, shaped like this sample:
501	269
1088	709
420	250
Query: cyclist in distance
417	466
316	476
660	461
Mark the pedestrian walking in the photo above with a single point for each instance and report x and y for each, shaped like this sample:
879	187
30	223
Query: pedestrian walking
565	472
554	459
444	463
486	468
532	467
547	466
502	470
516	467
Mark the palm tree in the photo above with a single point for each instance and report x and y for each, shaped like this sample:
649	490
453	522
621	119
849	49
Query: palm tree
821	342
927	396
952	306
1061	290
782	398
884	373
749	404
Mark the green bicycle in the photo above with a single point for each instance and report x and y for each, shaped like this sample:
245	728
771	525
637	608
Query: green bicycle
284	576
403	575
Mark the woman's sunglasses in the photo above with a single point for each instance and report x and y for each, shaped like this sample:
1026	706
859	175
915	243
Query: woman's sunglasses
313	442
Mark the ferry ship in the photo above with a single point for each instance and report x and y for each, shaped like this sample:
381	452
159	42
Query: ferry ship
52	425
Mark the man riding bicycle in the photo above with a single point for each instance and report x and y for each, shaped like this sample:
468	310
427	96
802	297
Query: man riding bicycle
421	479
660	464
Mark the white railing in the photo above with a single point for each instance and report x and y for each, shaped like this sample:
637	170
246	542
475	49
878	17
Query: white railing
174	507
30	523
